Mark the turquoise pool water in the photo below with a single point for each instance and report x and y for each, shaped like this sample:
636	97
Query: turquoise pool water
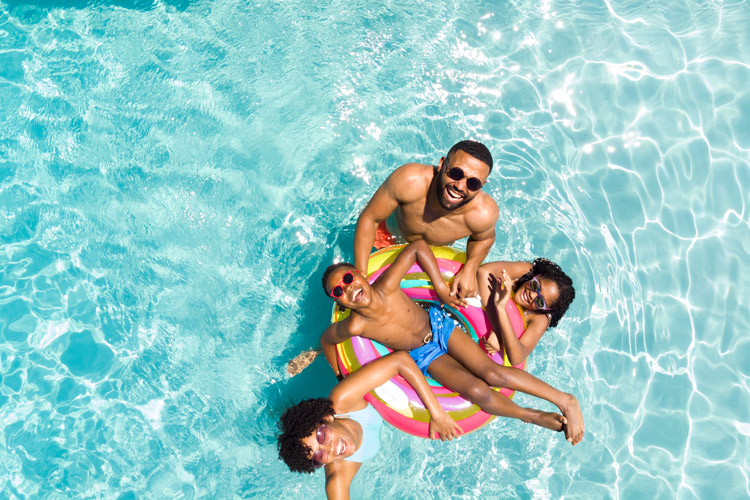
175	176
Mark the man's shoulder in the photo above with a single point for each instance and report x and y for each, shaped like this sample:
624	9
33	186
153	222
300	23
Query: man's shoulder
483	212
411	179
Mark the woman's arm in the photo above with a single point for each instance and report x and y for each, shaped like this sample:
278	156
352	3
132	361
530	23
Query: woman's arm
339	477
349	394
495	299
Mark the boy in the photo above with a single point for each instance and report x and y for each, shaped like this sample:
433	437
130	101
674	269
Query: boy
382	312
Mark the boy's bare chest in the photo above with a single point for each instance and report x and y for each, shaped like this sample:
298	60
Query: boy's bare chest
401	325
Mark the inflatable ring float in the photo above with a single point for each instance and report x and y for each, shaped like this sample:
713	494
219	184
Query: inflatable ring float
395	400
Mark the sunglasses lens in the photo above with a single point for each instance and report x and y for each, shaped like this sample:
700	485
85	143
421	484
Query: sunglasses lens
534	285
337	292
323	434
348	278
473	184
456	174
540	303
319	458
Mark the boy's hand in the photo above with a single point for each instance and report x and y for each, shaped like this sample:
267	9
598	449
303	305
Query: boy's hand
444	426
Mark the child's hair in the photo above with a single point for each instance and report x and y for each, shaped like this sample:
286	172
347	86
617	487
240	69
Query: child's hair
296	424
331	269
548	269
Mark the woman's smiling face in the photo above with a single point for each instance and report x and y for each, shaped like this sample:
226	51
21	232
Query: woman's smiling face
337	444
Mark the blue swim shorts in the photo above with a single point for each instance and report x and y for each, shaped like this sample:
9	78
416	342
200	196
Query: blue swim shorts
442	326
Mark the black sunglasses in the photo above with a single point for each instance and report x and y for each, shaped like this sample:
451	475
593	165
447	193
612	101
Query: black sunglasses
472	183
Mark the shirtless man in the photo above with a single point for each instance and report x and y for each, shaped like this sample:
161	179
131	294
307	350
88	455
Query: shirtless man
440	348
437	204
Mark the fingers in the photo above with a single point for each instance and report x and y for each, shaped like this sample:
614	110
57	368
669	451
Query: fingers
454	288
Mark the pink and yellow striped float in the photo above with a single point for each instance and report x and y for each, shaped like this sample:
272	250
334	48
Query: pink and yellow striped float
395	400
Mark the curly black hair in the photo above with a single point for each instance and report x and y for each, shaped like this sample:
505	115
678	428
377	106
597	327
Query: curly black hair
548	269
296	424
331	269
472	148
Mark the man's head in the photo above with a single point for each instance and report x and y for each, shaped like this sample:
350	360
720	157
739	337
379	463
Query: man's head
463	173
344	284
297	424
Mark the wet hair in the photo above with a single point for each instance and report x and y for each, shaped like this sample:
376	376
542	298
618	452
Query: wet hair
331	269
472	148
548	269
297	423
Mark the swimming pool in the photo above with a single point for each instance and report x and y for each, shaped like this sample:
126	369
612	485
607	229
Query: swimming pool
175	176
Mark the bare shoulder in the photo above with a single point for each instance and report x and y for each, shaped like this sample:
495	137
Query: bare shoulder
483	214
411	181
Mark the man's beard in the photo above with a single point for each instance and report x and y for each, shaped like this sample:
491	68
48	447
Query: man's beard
445	202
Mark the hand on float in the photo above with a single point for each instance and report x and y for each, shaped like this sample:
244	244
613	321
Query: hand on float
444	427
446	297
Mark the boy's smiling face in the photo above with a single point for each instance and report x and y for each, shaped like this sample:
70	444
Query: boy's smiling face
355	294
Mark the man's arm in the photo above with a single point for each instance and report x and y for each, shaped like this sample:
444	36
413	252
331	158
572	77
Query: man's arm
382	204
480	242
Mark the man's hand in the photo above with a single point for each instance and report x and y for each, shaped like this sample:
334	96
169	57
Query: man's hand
446	297
465	283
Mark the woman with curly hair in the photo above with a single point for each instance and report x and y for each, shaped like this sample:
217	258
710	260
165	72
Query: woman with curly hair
541	289
342	431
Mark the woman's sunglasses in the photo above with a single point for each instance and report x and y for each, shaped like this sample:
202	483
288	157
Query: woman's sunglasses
472	183
323	435
536	287
338	290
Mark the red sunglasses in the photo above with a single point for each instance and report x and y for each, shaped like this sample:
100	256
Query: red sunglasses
338	290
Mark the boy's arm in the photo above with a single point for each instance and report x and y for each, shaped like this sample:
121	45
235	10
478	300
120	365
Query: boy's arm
419	251
335	334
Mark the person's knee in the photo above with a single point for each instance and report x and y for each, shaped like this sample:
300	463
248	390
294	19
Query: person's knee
497	377
478	393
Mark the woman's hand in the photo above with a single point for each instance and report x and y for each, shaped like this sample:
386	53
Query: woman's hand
443	426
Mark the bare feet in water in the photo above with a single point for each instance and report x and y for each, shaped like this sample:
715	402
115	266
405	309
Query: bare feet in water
301	361
574	428
549	420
